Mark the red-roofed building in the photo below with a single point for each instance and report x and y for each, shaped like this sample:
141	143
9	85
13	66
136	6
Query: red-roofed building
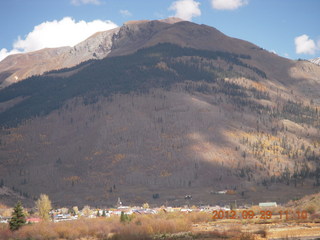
33	220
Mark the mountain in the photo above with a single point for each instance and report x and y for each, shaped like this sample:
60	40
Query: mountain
315	60
127	39
17	67
174	109
20	66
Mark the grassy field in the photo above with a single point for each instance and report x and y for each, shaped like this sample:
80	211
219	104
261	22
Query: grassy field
137	227
185	226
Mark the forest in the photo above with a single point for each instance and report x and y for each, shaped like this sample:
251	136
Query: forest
159	66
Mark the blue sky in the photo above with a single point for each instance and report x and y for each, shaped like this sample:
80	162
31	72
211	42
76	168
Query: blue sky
291	28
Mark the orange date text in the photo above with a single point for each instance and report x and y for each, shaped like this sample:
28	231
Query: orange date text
263	214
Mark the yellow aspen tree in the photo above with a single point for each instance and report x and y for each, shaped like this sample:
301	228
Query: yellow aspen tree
43	205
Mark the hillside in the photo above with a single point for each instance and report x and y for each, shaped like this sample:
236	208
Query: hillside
315	60
193	115
18	67
310	203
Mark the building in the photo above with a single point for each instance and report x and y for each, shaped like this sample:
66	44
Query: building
268	204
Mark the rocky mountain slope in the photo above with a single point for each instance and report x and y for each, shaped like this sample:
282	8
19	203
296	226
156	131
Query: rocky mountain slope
175	109
20	66
315	60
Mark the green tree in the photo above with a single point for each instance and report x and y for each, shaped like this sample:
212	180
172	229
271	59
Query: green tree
18	218
124	217
71	211
43	205
104	213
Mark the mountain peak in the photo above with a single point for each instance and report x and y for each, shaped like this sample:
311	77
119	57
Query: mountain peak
171	20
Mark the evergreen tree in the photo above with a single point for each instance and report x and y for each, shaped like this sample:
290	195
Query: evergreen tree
124	217
98	213
104	213
18	218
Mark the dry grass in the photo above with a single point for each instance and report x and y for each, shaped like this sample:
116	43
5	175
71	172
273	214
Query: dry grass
5	233
244	236
198	217
140	227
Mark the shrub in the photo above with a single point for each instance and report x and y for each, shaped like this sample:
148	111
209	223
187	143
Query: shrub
311	209
197	217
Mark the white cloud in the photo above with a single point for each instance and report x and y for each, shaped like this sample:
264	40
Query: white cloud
305	45
125	13
228	4
83	2
66	32
186	9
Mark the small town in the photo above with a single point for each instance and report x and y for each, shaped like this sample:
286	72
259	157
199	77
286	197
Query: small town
74	213
266	220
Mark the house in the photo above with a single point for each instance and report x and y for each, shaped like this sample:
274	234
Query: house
186	210
144	211
4	219
33	220
221	192
268	204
